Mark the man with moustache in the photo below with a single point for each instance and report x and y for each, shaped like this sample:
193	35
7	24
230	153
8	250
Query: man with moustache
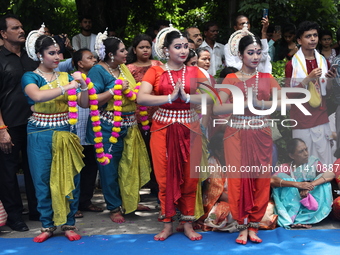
85	39
231	60
194	34
216	49
14	112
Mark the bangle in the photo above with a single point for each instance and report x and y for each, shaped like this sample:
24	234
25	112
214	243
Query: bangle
188	99
169	99
82	90
3	127
111	92
262	107
281	183
62	90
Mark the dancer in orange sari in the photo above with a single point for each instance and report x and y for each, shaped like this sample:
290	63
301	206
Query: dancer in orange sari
176	136
246	147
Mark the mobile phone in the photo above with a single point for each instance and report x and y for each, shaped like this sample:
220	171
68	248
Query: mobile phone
265	13
334	67
277	29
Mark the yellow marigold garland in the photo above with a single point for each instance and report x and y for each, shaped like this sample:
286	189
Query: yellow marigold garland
102	157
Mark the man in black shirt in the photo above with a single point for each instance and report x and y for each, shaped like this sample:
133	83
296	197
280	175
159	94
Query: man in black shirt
14	112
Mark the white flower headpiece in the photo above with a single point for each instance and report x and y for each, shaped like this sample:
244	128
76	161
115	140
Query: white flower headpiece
235	38
99	46
31	39
159	43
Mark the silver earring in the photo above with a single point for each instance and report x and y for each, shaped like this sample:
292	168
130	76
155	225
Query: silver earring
167	54
112	58
41	60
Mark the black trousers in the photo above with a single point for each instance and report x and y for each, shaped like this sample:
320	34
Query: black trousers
87	177
9	167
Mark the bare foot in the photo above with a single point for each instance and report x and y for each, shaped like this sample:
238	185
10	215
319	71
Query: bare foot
71	235
165	233
117	217
141	207
190	233
42	237
242	237
195	226
253	236
301	225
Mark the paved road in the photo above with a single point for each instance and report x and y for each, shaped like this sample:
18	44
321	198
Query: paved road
136	223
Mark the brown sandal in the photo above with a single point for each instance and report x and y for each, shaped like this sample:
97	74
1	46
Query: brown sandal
92	208
78	214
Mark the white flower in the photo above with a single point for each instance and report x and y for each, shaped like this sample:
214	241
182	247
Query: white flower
30	42
99	45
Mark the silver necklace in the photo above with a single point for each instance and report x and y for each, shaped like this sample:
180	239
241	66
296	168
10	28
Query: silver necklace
255	88
41	73
172	79
111	70
44	72
248	74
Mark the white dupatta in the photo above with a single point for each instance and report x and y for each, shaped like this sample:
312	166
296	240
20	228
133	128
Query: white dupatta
300	70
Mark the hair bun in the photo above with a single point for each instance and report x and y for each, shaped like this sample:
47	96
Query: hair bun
99	46
235	38
30	41
159	42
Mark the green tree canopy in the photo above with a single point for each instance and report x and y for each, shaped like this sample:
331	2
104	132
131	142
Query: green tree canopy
131	17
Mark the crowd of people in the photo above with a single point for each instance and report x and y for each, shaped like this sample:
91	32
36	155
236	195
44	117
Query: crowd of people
147	114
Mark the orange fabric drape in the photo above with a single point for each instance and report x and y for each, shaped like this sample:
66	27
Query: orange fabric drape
259	191
187	199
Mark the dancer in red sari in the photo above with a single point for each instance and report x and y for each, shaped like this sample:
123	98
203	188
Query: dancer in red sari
175	132
247	149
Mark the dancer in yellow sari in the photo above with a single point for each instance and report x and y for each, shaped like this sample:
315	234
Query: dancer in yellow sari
129	169
55	153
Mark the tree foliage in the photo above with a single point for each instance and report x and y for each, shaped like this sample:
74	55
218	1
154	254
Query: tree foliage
59	16
130	17
324	12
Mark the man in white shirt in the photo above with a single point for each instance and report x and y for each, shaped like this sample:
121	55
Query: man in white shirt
194	34
85	39
216	49
265	66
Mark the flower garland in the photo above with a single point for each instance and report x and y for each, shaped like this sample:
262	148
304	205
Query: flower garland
72	106
143	112
102	158
117	114
72	97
